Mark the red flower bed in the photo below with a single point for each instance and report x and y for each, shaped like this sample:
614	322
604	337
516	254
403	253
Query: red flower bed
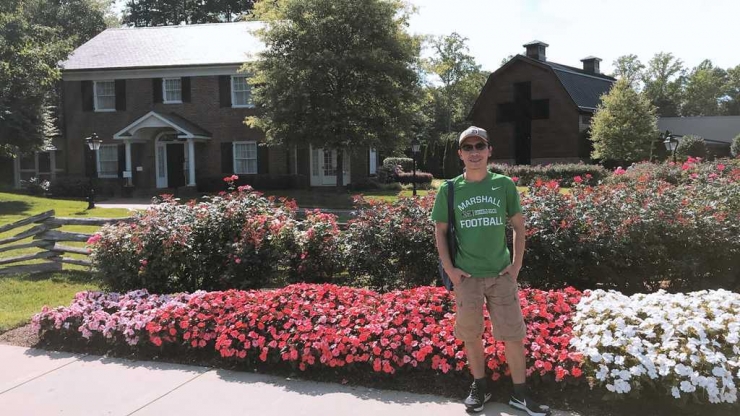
327	325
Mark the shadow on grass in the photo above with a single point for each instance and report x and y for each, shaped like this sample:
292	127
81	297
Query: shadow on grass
70	276
14	207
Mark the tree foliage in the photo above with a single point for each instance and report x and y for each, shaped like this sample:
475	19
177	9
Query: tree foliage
175	12
630	68
35	35
450	102
663	83
705	86
338	74
624	127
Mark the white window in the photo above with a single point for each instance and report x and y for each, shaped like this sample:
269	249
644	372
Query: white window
108	161
245	158
105	96
241	92
172	90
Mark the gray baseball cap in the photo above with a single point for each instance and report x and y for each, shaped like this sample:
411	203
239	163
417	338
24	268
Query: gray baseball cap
473	131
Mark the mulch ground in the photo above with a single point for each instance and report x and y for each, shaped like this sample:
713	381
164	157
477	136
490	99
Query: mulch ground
576	398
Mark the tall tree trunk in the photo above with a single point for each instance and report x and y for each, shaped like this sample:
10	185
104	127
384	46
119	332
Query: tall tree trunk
340	170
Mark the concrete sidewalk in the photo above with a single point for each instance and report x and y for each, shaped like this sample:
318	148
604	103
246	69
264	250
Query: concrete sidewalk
37	382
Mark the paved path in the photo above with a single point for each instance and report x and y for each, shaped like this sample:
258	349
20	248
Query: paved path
39	383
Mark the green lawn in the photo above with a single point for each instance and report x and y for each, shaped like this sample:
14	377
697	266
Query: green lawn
21	296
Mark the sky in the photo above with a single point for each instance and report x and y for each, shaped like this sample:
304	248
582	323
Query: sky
693	30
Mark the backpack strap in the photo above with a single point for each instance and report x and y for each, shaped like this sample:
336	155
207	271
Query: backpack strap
451	240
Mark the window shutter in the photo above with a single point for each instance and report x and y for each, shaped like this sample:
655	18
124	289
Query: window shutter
87	95
157	89
224	90
227	158
121	160
120	95
263	159
185	85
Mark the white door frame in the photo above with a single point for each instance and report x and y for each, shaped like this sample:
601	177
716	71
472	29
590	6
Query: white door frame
160	151
316	165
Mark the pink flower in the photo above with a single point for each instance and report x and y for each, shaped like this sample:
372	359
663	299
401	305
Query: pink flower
515	178
578	179
720	167
93	239
619	171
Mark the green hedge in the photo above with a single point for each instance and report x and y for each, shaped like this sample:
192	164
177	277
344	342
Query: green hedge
565	174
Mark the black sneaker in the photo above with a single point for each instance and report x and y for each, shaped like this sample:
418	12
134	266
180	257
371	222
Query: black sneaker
530	406
477	398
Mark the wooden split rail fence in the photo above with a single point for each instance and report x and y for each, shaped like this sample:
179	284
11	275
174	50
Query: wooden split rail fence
49	240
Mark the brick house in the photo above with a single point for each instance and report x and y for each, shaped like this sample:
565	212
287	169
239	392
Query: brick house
169	103
537	111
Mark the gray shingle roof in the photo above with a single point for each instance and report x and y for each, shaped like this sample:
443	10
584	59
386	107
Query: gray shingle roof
163	46
585	89
186	124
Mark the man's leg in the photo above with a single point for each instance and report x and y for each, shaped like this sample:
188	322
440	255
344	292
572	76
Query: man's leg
469	328
516	360
476	358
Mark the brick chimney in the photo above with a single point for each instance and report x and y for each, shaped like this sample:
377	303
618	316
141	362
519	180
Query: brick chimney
536	50
591	65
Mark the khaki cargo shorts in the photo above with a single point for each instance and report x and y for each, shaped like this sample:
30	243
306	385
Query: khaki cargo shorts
500	296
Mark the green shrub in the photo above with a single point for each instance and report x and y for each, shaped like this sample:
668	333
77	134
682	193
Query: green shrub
735	147
691	146
391	245
421	177
638	236
406	163
230	241
565	174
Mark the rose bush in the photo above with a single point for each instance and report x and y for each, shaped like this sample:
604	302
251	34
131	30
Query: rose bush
638	235
391	245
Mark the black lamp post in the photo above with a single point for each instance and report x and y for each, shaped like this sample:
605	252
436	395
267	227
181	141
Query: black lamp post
415	150
671	143
93	142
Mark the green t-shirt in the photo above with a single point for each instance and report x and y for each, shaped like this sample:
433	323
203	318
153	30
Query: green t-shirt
481	212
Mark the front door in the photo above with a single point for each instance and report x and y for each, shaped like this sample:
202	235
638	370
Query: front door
175	165
329	167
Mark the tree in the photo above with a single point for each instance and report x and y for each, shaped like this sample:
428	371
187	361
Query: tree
29	53
175	12
76	20
705	86
624	127
337	74
462	81
630	68
663	83
731	106
691	146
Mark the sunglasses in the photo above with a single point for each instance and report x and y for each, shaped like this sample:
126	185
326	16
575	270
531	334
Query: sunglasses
477	146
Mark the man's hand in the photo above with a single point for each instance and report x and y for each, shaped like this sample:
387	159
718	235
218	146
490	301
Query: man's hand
512	270
456	275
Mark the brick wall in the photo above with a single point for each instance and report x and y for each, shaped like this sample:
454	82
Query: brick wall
555	138
224	124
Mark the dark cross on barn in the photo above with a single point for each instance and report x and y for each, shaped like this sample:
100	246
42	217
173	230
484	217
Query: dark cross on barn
521	112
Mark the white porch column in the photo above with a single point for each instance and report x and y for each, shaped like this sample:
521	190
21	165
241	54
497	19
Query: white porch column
191	162
17	172
53	164
128	162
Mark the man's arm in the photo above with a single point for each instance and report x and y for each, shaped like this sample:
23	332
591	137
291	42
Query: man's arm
517	224
440	235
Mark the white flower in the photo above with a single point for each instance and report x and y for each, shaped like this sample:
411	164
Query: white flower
687	387
676	393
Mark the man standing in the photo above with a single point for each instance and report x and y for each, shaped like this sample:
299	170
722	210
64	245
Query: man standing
483	272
